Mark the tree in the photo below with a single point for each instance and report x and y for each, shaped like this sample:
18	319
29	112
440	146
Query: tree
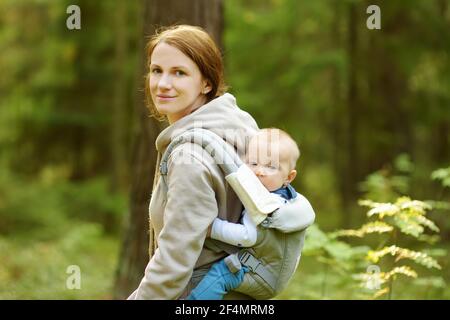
134	252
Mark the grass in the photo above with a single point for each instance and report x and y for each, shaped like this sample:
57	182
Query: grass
38	270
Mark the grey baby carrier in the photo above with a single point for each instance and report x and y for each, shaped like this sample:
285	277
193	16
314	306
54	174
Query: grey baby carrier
273	260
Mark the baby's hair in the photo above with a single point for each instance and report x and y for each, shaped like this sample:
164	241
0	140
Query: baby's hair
286	140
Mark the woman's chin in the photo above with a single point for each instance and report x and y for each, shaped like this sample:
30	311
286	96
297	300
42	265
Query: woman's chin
162	110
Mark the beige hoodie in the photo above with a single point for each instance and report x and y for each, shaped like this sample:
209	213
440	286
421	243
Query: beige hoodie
197	193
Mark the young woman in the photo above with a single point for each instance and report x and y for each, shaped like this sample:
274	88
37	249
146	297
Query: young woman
185	85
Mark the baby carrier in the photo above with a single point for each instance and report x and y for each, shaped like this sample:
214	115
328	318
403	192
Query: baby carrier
273	260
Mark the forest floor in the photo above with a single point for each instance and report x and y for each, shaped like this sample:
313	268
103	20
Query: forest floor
40	270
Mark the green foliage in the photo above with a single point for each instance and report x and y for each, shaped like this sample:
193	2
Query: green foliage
442	175
400	253
43	208
387	256
326	248
56	96
93	201
390	182
58	203
26	207
49	224
336	256
404	216
34	269
370	227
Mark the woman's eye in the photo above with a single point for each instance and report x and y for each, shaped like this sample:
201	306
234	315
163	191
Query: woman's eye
179	73
155	71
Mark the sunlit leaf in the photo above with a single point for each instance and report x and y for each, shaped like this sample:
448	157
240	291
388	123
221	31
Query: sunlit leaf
380	293
371	227
401	253
404	270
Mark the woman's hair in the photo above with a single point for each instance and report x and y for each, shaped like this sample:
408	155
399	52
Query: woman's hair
198	45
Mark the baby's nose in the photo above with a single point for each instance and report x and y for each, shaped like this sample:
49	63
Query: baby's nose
259	171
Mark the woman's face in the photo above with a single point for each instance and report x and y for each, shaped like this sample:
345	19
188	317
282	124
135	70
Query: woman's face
176	84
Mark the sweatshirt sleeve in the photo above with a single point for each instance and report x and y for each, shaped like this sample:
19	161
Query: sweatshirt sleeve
191	207
294	216
237	234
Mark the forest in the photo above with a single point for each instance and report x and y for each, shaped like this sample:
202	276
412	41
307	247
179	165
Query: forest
369	109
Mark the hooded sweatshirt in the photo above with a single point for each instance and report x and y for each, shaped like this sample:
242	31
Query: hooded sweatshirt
196	192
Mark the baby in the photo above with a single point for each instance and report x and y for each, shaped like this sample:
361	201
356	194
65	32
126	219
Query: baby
272	155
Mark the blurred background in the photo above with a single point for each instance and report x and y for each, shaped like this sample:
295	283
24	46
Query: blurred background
370	110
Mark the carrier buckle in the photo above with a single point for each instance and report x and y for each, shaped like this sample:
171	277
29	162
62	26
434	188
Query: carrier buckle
248	260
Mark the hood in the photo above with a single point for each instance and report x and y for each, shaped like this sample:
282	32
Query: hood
222	116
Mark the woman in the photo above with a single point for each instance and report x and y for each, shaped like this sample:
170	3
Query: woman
185	85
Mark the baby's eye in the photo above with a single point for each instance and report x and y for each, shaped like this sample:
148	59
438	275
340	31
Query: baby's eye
253	164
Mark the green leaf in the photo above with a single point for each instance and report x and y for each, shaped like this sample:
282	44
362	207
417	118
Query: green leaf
402	253
339	250
436	282
403	163
368	228
407	226
315	240
442	175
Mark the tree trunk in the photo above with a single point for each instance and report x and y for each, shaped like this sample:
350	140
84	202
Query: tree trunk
349	174
387	92
336	125
134	252
441	132
118	150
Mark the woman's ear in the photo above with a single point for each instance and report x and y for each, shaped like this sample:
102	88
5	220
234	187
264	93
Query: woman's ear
206	87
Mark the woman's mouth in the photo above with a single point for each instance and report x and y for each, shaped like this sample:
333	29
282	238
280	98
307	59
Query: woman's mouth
164	97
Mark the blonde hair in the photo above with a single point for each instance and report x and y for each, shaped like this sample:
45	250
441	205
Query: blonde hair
198	45
291	150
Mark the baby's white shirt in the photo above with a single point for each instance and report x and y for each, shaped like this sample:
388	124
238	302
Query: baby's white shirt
242	234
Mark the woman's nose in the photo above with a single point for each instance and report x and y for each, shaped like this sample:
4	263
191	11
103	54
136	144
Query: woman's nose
164	82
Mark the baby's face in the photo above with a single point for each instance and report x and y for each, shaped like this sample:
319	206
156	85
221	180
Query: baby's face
267	161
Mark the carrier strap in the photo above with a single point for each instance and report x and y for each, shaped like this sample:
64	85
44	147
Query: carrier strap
256	266
246	258
223	154
229	162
